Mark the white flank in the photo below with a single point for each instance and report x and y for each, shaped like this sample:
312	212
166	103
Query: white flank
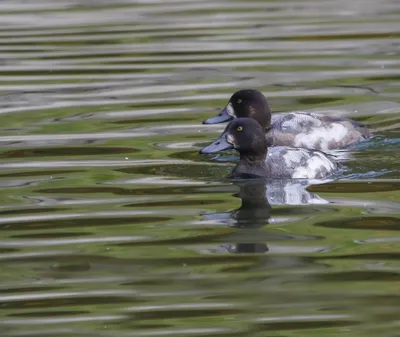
336	132
312	167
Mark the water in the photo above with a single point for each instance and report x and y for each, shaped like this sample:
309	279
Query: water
111	222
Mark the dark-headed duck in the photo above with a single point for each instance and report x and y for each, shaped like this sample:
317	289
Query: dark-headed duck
257	160
295	129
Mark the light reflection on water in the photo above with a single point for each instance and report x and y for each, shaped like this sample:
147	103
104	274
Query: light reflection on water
111	221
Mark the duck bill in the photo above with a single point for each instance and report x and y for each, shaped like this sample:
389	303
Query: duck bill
220	144
225	115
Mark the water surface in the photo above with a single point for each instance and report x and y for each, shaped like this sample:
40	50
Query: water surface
111	222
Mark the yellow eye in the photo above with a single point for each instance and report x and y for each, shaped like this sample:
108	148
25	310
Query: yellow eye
239	128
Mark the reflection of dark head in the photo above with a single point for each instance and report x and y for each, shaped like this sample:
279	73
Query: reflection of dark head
255	209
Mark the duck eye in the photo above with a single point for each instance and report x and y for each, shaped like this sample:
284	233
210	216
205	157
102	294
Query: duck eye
239	128
239	101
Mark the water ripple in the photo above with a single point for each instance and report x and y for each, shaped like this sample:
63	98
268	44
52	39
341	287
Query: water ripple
112	223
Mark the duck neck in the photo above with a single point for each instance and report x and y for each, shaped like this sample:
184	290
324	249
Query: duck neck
250	165
253	159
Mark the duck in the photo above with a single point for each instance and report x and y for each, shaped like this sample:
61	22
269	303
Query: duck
294	129
258	159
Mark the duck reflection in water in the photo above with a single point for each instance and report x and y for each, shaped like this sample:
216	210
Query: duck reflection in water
252	215
257	196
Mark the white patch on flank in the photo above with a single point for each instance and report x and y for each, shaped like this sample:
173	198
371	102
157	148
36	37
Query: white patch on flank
293	157
230	110
336	132
312	167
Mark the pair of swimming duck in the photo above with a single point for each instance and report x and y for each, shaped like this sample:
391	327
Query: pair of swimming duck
283	146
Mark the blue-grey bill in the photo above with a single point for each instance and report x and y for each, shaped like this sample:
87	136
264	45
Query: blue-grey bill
220	144
223	116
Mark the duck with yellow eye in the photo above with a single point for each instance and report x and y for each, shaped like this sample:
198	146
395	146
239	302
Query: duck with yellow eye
246	136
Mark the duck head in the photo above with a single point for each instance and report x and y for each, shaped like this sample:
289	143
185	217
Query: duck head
244	135
245	103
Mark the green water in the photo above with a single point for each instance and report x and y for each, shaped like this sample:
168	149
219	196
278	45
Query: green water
112	224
